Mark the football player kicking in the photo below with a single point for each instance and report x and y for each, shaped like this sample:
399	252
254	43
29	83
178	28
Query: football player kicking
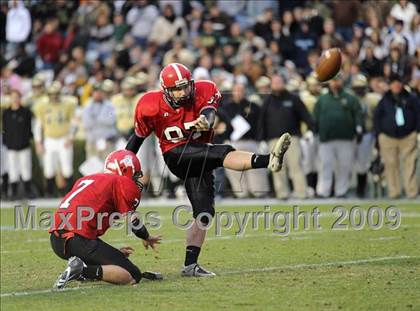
86	213
182	115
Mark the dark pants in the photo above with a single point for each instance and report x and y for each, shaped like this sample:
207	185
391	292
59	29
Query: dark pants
92	252
194	163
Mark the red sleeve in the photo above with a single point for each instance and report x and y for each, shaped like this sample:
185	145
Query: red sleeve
40	45
211	96
142	127
127	195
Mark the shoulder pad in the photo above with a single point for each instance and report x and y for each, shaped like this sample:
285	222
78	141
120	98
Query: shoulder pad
149	103
205	86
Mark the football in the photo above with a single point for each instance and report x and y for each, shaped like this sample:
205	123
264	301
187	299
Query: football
329	65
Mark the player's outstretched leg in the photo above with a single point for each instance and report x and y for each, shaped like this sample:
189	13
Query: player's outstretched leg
241	160
73	272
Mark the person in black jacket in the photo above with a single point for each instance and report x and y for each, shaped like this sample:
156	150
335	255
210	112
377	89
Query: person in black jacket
17	135
240	110
222	131
397	122
283	112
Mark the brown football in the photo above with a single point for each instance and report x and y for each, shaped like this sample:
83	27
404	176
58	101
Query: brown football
329	65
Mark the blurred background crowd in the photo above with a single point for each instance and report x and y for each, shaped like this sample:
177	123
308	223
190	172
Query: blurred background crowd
72	72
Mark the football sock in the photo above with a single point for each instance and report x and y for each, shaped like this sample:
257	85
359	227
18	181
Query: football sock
92	272
191	255
260	160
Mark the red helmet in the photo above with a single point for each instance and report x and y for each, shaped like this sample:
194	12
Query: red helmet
176	77
124	163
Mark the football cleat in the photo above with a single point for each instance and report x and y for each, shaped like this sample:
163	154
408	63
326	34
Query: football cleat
153	276
196	271
277	154
73	272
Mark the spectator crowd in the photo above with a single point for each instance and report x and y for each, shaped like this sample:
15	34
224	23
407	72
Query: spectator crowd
72	71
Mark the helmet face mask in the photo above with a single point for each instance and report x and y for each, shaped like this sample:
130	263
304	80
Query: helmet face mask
136	177
177	85
173	97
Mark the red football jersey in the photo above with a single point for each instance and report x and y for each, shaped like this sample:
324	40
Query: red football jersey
173	126
93	195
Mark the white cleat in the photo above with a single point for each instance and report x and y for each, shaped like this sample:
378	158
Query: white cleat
196	271
73	272
277	154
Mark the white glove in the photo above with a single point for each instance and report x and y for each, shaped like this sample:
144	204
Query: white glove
202	124
309	136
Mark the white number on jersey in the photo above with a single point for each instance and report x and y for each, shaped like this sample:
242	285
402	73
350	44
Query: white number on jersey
178	132
81	186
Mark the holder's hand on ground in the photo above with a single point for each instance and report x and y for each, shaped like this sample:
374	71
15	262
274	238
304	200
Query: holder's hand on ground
127	250
152	241
201	123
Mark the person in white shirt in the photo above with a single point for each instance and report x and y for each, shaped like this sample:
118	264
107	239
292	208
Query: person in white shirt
404	10
141	18
18	26
99	122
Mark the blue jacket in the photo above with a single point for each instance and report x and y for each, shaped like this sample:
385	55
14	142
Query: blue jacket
384	119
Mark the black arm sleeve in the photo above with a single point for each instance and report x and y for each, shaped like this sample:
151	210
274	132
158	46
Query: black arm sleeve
141	233
210	114
134	143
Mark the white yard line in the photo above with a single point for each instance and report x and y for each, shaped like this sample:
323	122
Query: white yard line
318	265
292	236
385	238
169	241
45	291
242	271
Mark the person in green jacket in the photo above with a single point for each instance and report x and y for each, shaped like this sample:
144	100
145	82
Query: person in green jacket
338	121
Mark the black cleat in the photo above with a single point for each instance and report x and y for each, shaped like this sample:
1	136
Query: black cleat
73	272
153	276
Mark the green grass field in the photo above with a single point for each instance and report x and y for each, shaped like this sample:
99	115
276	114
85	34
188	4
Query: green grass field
321	269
